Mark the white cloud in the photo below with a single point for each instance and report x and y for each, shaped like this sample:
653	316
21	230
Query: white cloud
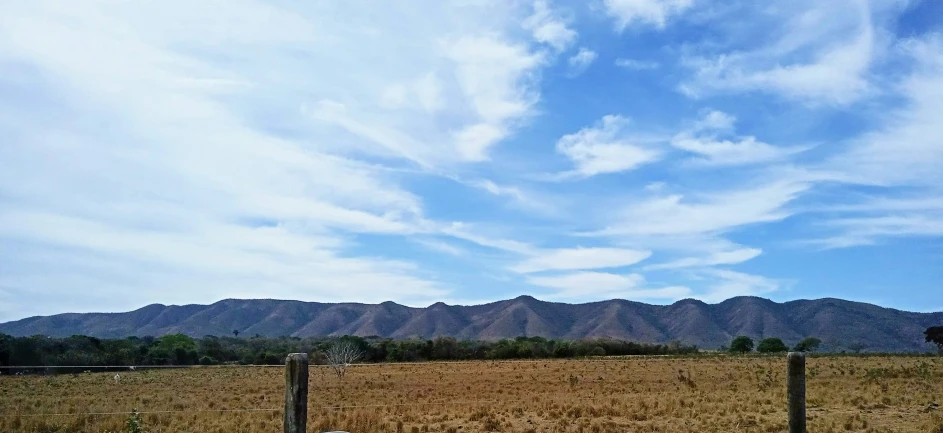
728	257
548	28
879	219
127	267
522	199
424	92
725	152
442	247
605	147
597	285
183	153
903	155
726	284
869	230
907	149
580	61
713	213
466	232
496	189
656	186
654	12
497	79
703	140
384	140
580	258
178	157
713	120
637	65
822	54
473	141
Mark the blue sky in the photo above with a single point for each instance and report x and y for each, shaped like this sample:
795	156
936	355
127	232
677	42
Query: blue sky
469	151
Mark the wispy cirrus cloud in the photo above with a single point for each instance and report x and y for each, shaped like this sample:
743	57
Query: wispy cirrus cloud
225	198
901	157
715	212
819	53
171	152
906	148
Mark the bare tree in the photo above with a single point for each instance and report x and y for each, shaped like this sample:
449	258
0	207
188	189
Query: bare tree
340	355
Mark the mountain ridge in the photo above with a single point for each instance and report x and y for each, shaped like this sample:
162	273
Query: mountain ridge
836	321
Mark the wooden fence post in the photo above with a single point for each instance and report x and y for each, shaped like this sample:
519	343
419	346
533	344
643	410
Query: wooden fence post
796	391
296	393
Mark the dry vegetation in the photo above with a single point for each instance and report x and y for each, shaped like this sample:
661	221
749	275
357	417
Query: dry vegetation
710	394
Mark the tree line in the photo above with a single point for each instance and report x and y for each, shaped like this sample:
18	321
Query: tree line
179	349
744	344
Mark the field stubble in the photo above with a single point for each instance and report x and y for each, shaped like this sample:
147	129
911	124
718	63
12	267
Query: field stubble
706	394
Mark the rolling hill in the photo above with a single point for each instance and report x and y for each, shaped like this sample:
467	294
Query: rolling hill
837	322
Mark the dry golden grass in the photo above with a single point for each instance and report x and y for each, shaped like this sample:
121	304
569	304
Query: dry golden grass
710	394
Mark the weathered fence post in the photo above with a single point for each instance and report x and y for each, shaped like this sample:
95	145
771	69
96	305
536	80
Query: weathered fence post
296	393
796	391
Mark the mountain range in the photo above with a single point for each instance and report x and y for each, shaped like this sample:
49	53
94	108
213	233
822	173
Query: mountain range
838	323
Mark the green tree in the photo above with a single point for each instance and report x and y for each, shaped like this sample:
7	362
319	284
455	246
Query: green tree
741	344
212	347
934	334
445	348
175	349
808	344
771	345
173	341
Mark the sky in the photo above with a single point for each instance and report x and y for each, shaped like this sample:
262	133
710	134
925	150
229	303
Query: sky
469	151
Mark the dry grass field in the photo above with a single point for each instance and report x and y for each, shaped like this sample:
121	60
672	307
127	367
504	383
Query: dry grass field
709	394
